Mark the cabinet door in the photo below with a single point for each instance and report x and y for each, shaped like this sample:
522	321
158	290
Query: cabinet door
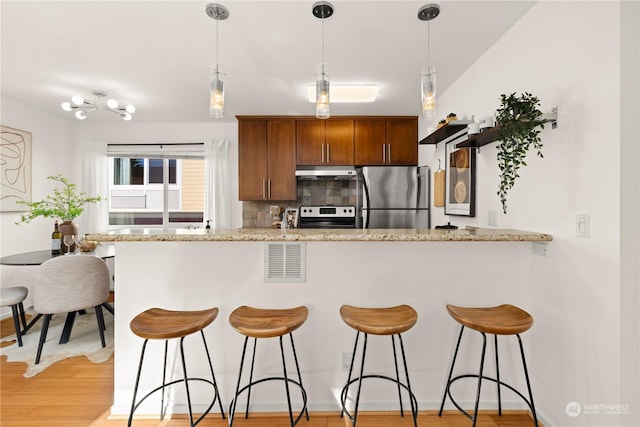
402	142
310	136
369	142
339	142
281	160
252	159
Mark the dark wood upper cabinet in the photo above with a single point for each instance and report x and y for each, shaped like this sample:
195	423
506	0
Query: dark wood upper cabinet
324	142
386	142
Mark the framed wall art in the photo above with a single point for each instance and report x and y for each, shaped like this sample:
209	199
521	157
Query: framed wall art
460	187
15	169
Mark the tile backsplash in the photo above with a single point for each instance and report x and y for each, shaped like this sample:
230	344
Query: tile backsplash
312	192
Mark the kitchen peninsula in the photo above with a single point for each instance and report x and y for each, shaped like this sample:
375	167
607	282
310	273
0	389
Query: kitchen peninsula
196	269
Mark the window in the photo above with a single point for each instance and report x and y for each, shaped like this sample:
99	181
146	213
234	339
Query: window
155	190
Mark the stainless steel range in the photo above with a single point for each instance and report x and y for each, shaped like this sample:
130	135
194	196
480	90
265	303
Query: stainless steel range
327	217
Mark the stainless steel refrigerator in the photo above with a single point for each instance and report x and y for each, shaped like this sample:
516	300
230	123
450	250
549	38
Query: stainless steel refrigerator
395	197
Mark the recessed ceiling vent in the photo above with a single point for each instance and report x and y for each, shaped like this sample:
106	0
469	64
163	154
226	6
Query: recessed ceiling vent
285	262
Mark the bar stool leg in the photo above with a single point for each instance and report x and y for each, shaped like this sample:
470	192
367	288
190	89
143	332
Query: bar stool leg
253	359
286	381
395	363
526	375
163	409
186	382
295	358
135	387
213	377
234	402
414	405
495	344
484	349
16	324
453	364
346	390
364	352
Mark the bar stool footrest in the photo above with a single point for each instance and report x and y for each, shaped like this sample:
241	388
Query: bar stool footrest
345	391
177	381
475	376
262	380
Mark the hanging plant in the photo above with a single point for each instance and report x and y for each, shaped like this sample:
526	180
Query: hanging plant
521	122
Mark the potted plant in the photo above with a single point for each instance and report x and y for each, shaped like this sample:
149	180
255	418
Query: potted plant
520	122
65	204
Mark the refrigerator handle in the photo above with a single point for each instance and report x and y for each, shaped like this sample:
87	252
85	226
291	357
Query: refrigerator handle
419	179
367	202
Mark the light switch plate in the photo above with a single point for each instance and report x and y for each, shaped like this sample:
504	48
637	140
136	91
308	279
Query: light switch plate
583	226
541	249
492	218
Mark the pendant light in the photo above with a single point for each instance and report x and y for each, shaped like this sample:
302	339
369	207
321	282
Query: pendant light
428	76
322	10
216	96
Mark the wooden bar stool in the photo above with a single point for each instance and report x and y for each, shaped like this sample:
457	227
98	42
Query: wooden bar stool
504	319
268	323
379	321
160	324
13	297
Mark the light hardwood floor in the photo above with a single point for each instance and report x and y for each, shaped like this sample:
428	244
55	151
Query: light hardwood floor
78	393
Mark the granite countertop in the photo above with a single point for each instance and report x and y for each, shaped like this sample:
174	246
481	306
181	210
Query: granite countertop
469	234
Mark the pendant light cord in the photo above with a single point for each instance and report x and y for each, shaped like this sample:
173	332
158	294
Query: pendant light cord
322	54
217	42
428	45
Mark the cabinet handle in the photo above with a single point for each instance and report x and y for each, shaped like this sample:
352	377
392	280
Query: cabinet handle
322	153
328	157
384	153
389	153
264	189
269	192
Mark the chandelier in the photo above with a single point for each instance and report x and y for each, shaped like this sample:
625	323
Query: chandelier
82	107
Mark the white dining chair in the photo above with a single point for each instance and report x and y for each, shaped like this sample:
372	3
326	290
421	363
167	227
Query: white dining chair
68	284
13	297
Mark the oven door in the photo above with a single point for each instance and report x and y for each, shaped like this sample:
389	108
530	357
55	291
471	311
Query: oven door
327	223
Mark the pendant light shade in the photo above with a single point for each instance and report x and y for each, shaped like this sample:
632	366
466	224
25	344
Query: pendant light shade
322	93
322	10
216	91
216	97
427	13
428	84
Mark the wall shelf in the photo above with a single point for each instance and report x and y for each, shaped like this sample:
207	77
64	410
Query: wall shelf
445	132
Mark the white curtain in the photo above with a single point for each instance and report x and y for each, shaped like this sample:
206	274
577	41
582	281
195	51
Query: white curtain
217	201
95	182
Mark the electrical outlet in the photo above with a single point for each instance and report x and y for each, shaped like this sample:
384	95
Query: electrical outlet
541	249
492	218
347	358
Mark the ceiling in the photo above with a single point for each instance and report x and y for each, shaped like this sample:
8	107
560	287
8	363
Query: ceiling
157	55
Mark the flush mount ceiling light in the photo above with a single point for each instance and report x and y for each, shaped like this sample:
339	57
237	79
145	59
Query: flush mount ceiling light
216	93
428	77
322	10
83	107
346	93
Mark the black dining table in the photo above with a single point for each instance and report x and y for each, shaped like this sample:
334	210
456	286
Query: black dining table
38	257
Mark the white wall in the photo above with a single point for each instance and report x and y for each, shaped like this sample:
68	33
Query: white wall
568	54
53	151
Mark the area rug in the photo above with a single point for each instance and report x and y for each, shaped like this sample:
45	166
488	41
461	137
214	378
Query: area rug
84	341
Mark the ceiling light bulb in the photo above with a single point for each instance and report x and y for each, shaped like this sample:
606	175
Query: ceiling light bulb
112	103
130	109
77	99
126	116
66	106
81	115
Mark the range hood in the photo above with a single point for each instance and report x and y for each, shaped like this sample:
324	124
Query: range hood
326	172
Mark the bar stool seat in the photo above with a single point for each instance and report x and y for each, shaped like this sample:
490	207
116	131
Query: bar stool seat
161	324
268	323
392	321
504	319
13	297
